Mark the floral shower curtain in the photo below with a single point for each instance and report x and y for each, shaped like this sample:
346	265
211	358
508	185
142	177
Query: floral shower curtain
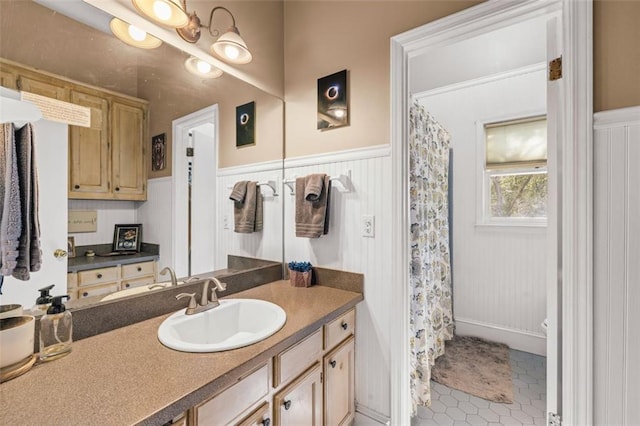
431	320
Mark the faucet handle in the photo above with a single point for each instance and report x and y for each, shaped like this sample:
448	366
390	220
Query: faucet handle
192	302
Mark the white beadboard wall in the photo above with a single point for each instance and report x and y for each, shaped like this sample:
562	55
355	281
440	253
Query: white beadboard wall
499	273
156	216
617	267
345	248
266	244
109	214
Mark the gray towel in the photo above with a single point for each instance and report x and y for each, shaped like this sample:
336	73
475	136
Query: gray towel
239	191
312	217
11	221
244	211
29	250
258	223
313	185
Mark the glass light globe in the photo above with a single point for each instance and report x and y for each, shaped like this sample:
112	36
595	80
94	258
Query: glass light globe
136	33
162	10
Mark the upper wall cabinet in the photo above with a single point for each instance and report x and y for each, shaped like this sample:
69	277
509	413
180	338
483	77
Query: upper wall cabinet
107	161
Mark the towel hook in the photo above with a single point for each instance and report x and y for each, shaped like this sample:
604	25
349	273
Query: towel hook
271	184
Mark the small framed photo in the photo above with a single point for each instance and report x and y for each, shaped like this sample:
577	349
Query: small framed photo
158	148
246	124
71	246
333	101
127	238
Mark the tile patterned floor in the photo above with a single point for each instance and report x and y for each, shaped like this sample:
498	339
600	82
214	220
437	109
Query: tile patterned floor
453	407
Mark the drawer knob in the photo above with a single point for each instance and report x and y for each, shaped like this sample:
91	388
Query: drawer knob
266	422
117	188
332	363
287	404
85	294
76	186
139	269
127	285
99	275
344	325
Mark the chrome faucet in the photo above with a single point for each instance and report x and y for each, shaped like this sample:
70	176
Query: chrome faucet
208	298
174	281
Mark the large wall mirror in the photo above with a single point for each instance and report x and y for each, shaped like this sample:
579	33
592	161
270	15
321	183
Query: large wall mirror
190	218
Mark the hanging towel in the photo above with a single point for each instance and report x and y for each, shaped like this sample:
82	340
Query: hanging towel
11	221
239	191
258	223
312	217
244	211
29	250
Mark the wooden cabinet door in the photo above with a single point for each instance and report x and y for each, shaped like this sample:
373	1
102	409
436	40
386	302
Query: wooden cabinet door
129	169
89	159
339	394
260	417
300	403
8	78
43	88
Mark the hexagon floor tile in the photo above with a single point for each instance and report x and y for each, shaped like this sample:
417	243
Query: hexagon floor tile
451	406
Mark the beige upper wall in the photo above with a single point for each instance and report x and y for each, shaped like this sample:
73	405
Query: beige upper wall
65	47
322	37
616	54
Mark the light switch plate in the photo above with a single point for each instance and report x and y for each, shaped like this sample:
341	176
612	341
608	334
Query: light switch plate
368	225
225	222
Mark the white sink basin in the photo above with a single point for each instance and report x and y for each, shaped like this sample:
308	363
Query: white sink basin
233	324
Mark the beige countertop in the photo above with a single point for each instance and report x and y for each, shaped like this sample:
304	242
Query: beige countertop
126	376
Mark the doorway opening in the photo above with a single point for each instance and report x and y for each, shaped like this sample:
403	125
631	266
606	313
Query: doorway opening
194	191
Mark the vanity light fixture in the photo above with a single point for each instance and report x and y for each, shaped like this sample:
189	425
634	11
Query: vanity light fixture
229	46
201	68
133	35
170	13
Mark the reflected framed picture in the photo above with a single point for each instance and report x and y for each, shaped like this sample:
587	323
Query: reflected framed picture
333	101
71	246
246	124
158	149
127	238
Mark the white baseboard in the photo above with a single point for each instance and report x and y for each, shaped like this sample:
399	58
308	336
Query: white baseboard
368	417
535	343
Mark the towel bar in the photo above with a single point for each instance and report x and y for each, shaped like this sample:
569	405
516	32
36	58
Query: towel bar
343	181
270	183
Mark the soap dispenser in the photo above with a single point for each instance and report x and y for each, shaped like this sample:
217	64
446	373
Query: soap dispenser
43	302
56	328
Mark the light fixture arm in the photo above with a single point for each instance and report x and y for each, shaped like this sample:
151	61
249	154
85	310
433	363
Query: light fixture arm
215	32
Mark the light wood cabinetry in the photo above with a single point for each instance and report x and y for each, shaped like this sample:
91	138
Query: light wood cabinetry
102	281
310	386
300	403
339	390
108	160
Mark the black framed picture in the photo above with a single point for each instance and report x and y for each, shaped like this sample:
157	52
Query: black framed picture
127	237
333	101
246	124
158	150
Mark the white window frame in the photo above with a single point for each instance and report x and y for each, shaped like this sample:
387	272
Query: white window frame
483	184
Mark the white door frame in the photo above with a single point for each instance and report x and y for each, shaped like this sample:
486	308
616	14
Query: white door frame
575	181
181	127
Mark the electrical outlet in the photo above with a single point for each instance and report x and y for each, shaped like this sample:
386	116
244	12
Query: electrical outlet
368	225
225	222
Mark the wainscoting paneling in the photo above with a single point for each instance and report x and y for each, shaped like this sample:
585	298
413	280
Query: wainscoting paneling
345	248
617	267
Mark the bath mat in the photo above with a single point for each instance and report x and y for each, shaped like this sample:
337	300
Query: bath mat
477	367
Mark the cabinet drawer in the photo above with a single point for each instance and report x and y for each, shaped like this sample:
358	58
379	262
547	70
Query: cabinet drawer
98	276
229	404
72	280
297	358
137	270
98	290
339	329
260	417
138	282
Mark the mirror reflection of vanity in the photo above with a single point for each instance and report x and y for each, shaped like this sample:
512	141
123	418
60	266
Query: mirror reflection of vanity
191	238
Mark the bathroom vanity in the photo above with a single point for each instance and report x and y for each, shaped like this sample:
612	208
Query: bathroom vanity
303	374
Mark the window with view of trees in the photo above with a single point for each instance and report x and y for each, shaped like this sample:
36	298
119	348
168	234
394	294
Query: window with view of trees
515	171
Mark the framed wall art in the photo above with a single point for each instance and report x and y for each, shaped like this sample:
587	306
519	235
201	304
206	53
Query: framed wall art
158	150
245	124
333	105
127	238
